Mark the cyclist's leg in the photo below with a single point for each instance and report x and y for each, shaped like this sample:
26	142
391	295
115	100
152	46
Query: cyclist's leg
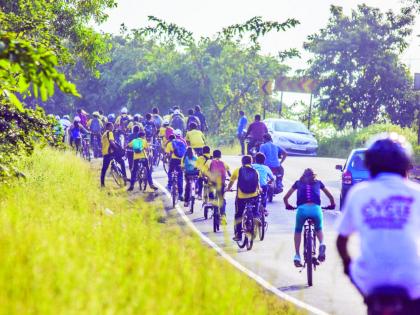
264	195
105	164
300	221
200	186
187	189
170	171
130	158
240	206
149	173
180	179
134	171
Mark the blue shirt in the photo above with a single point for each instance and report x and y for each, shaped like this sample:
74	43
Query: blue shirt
243	121
272	153
264	172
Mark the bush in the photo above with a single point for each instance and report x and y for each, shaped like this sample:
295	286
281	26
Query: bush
342	142
62	254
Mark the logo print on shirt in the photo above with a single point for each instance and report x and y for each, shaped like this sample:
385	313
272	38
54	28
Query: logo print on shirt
390	213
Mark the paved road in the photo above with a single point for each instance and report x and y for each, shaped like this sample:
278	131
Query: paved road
272	258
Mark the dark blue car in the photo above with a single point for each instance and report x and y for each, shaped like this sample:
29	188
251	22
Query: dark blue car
354	171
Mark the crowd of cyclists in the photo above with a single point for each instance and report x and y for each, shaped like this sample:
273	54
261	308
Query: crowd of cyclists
384	208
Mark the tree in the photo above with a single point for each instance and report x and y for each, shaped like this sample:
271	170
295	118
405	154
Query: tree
361	79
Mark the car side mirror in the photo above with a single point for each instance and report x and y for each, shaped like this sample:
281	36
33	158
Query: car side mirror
339	167
270	130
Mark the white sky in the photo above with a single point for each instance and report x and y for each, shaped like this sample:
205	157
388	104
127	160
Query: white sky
207	17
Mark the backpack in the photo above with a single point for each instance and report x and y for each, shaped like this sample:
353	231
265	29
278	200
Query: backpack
138	145
149	128
218	168
168	132
189	164
179	148
75	133
177	122
95	126
193	119
248	180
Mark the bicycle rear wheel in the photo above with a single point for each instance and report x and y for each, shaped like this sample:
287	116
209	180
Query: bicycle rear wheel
261	224
216	219
142	179
117	176
174	194
165	163
308	258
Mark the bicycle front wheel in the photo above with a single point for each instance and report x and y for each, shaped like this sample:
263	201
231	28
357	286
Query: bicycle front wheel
261	224
308	258
117	176
216	219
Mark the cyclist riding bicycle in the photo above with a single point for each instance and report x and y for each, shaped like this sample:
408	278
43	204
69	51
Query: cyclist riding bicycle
95	126
177	121
201	161
216	172
165	132
111	150
121	123
193	119
195	139
189	164
140	146
308	189
248	189
129	151
385	212
265	174
199	114
255	133
76	132
136	122
178	136
149	127
274	158
176	150
157	119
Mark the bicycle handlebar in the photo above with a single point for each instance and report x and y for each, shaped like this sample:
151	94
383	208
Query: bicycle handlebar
330	207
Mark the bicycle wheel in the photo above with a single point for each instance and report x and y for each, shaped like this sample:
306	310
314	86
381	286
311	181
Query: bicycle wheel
270	195
216	219
308	258
117	176
250	231
206	212
192	201
174	194
141	178
261	224
165	163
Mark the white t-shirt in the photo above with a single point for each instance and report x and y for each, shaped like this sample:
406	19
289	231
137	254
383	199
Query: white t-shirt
385	212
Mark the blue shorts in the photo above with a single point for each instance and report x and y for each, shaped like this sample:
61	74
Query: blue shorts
308	211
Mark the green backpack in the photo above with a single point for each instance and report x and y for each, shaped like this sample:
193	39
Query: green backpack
138	145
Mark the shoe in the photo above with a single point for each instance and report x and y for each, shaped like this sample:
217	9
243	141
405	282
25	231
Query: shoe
322	249
186	203
130	189
153	188
237	238
224	219
297	261
266	212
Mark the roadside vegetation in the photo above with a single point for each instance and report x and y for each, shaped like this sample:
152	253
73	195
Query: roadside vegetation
63	252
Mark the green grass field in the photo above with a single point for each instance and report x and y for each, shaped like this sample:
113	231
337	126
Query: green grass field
61	253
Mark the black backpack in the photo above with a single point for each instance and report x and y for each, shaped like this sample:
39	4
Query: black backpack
177	122
248	180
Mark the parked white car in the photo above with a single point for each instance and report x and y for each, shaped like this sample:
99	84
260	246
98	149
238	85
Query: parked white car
292	136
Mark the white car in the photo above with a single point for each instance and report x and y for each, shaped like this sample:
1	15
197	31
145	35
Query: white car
292	136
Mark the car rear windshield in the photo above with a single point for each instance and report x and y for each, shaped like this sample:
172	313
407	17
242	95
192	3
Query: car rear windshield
358	161
290	126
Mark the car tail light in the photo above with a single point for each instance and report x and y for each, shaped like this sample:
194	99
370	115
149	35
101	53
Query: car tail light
347	178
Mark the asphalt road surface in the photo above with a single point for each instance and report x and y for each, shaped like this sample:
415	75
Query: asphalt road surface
272	258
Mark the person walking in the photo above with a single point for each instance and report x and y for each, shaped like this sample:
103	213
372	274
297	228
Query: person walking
243	121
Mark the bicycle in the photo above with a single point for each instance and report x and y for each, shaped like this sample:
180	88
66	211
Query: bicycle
192	179
96	145
309	247
261	222
248	227
85	148
174	187
142	177
212	204
117	174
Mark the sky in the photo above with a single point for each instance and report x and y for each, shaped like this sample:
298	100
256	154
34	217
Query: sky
205	18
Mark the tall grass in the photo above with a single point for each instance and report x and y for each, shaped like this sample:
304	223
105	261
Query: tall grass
60	253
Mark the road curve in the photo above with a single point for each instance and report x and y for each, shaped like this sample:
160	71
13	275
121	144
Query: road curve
272	258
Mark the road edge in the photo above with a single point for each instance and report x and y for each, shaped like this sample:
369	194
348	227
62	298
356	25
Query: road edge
261	281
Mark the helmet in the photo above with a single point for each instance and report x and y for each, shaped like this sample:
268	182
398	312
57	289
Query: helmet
177	112
165	123
57	117
389	153
66	117
124	110
95	114
111	116
76	119
178	133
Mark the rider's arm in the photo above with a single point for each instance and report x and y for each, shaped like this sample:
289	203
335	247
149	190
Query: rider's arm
343	252
287	196
249	130
329	195
233	178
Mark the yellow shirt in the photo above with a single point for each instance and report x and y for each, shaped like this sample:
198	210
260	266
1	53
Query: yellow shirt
201	160
170	149
131	124
143	153
195	138
105	142
242	195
